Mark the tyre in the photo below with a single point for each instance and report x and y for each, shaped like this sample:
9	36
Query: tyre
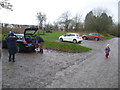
84	38
61	39
74	41
96	39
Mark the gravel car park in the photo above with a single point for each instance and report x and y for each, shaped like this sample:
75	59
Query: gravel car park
55	69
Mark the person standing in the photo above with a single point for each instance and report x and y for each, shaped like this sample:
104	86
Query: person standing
41	41
107	50
12	46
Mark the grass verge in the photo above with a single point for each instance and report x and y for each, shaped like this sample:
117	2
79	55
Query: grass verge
51	42
107	37
66	47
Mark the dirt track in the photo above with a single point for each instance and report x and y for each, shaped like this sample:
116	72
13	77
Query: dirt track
63	70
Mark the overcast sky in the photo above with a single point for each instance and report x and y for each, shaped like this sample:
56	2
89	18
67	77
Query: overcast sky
24	11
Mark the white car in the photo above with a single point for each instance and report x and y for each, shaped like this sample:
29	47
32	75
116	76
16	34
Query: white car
71	37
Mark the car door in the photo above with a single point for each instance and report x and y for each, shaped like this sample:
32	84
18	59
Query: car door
93	36
29	33
90	35
72	36
66	37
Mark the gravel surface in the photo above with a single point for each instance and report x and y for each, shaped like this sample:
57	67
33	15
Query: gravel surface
55	69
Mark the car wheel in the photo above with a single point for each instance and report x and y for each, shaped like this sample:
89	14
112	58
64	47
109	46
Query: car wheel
85	38
74	41
96	39
61	39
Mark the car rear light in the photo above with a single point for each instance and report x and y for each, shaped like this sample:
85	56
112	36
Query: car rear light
25	43
79	38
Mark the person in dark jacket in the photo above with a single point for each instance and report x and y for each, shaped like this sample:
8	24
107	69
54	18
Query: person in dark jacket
41	41
12	46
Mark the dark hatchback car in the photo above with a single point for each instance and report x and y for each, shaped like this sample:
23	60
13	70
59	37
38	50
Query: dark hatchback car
25	42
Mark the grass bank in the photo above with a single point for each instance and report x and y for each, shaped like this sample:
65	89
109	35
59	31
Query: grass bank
52	42
64	46
107	37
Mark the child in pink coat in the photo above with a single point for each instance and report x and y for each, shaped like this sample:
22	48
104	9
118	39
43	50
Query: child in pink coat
107	50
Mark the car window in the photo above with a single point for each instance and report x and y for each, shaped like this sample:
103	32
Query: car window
96	34
90	34
67	35
20	37
30	32
72	34
78	35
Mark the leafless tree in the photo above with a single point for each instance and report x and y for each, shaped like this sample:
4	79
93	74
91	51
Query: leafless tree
5	4
99	11
77	24
41	19
65	19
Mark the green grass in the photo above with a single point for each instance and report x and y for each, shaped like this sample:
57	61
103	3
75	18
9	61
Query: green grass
107	37
52	42
52	36
64	46
0	36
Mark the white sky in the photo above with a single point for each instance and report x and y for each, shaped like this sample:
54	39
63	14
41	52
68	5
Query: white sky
24	11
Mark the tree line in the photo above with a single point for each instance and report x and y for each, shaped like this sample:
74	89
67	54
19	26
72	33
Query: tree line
95	21
6	4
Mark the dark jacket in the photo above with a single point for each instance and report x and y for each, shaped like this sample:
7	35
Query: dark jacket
12	45
39	39
107	49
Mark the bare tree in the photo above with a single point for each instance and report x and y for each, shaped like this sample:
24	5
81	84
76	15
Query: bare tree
41	19
5	4
65	19
99	11
77	24
56	25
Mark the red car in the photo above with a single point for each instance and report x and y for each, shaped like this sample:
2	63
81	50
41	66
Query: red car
95	36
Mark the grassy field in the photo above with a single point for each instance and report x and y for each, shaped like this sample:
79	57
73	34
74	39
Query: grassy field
107	37
0	36
52	42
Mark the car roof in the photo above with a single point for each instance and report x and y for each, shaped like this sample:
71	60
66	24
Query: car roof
95	33
20	34
72	33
